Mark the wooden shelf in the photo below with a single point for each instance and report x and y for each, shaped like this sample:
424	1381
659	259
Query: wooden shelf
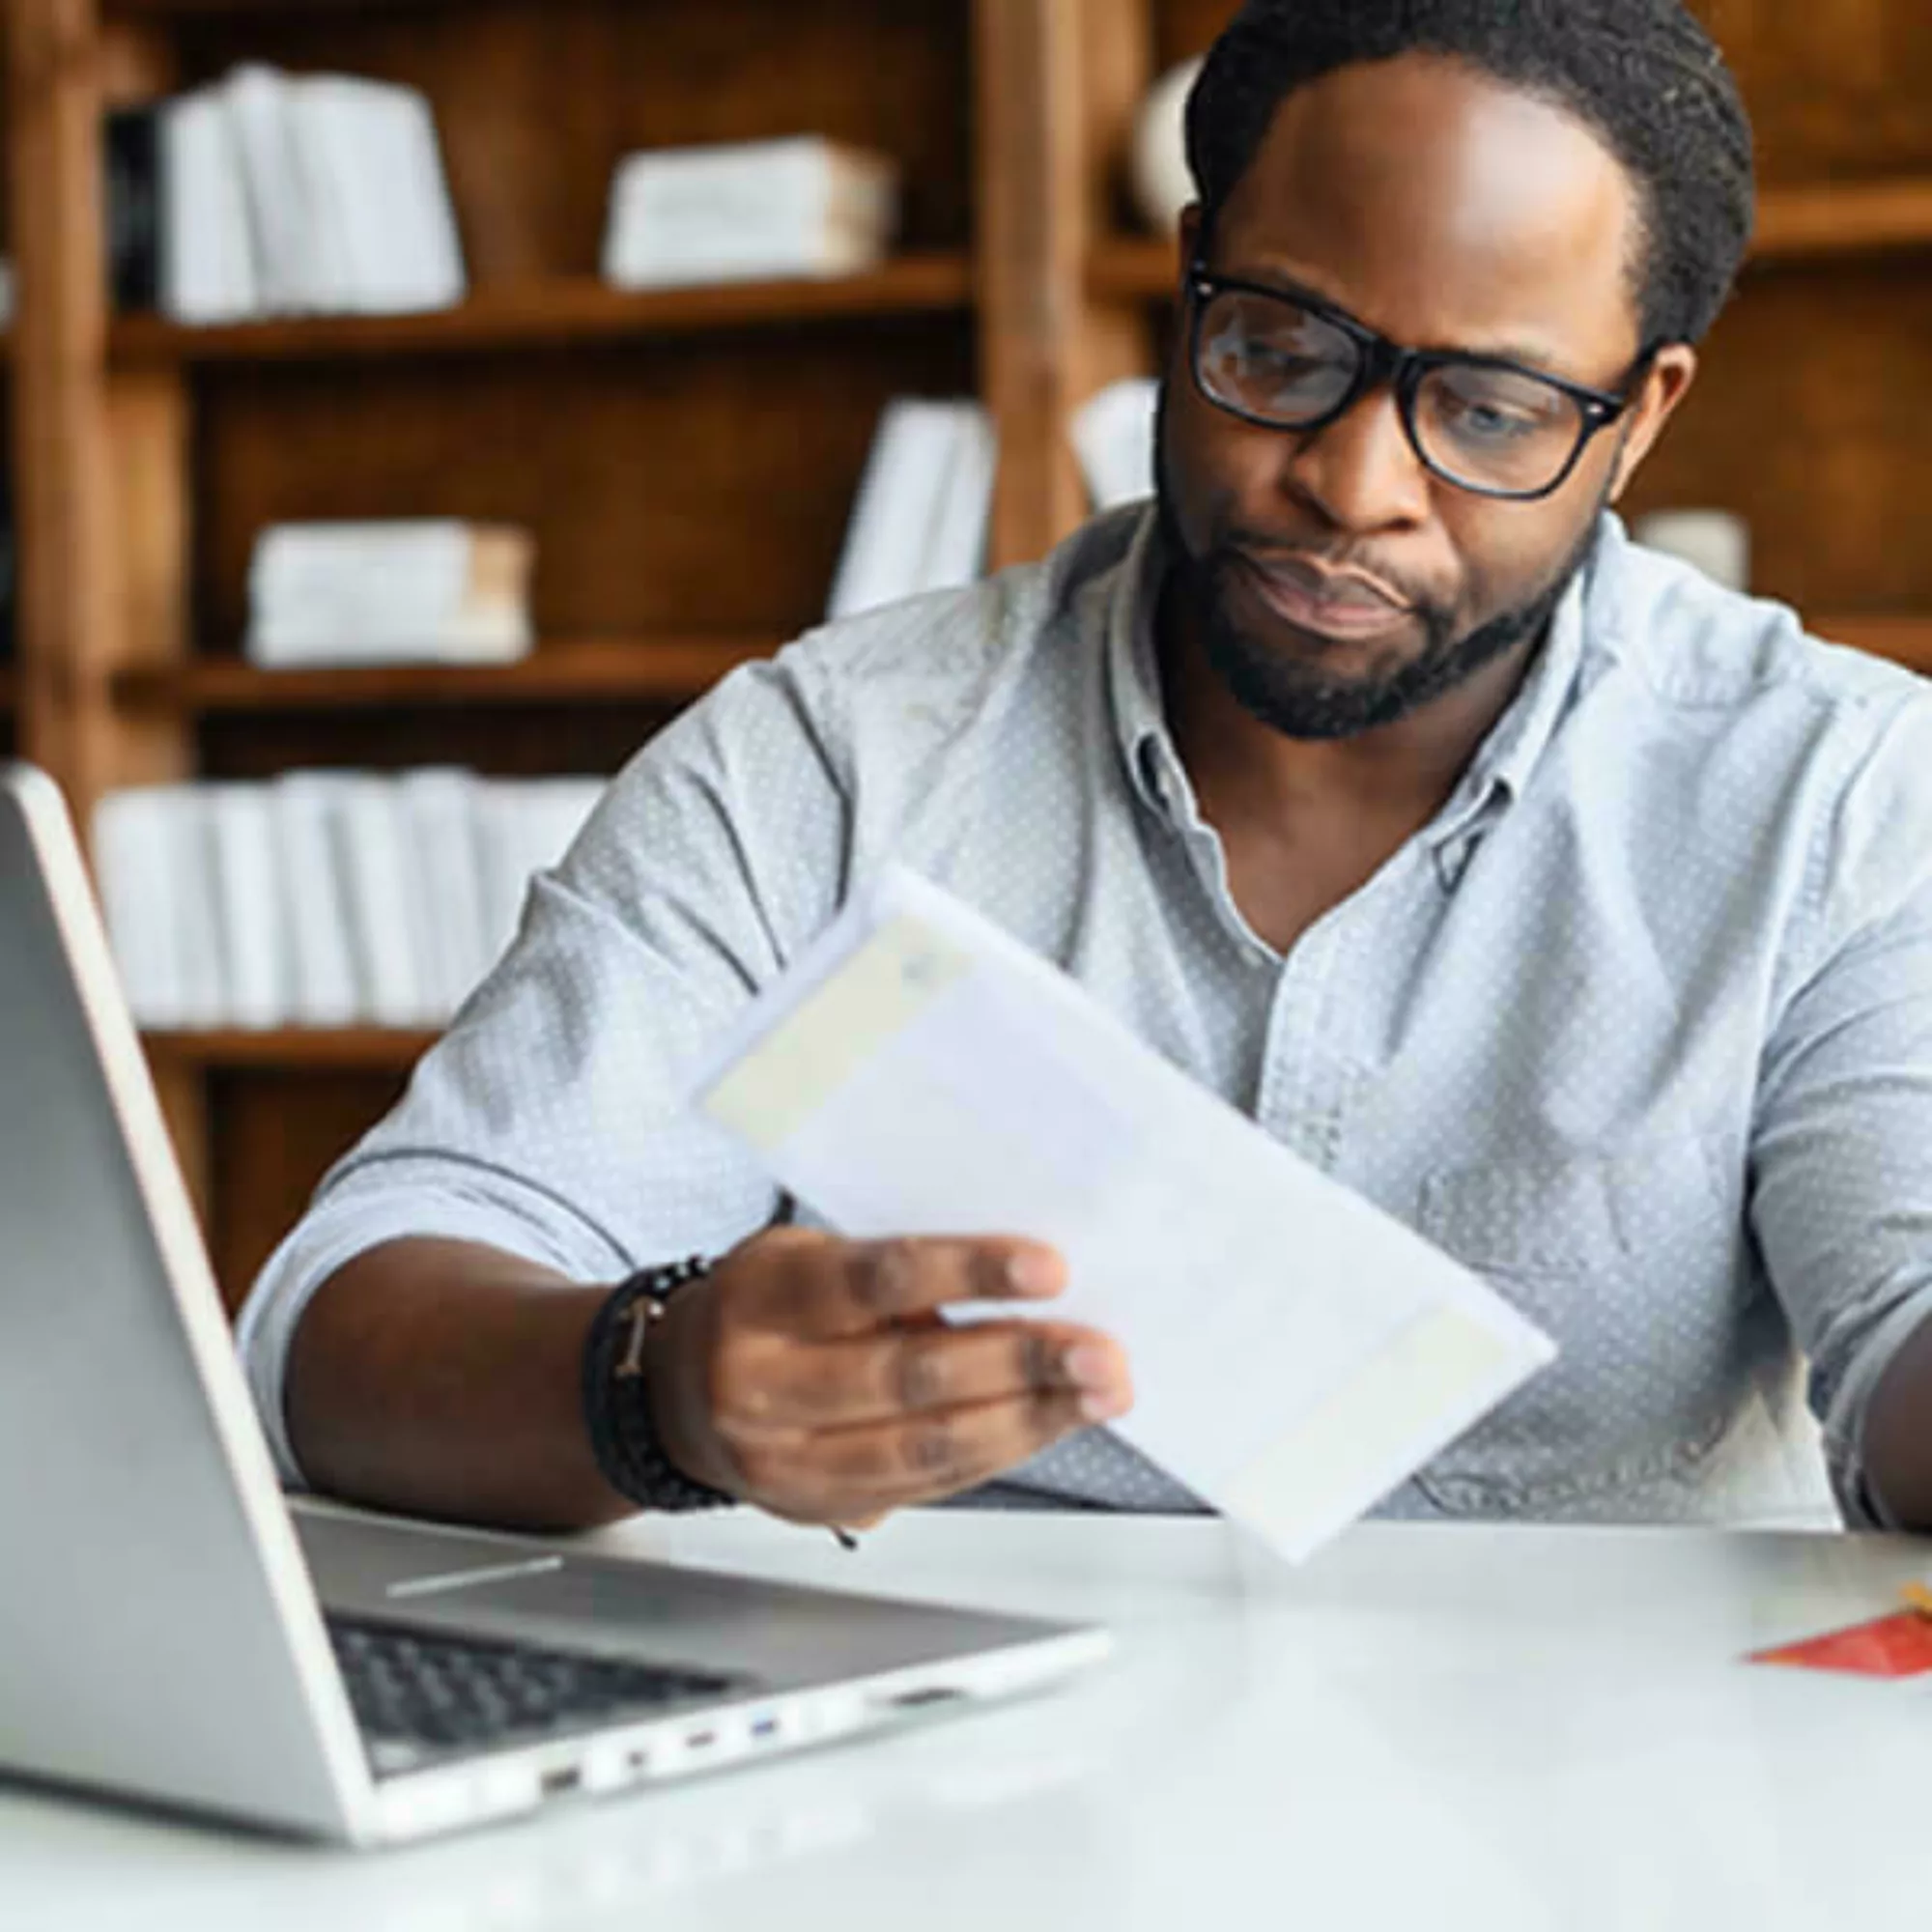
1904	639
639	671
1134	268
1854	219
1795	224
341	1050
162	11
555	314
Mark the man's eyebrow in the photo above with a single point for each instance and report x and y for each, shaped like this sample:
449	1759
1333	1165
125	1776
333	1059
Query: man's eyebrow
1529	355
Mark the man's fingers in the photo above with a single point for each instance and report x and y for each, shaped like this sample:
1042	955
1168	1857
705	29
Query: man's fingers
877	1378
938	1453
828	1288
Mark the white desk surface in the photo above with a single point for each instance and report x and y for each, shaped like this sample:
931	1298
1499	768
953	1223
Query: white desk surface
1431	1727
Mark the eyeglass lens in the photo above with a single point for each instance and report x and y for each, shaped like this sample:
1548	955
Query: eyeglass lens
1494	428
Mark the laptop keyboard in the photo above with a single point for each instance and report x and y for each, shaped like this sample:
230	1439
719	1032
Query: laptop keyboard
420	1694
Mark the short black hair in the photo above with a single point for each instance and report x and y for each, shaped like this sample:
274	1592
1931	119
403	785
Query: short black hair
1642	74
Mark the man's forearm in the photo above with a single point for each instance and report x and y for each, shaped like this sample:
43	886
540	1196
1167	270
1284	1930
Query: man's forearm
442	1379
1898	1434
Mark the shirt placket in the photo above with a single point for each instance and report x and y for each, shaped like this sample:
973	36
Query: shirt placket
1313	1060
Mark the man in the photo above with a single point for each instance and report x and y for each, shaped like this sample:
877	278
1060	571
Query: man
1577	911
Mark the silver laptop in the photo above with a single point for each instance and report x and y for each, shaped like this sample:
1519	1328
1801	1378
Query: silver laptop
170	1629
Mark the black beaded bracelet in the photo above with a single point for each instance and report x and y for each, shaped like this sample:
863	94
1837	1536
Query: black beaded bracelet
617	1398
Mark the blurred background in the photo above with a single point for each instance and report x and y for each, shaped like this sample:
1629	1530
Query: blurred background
410	404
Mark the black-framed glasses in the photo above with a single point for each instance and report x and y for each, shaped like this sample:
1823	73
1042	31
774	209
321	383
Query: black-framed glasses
1480	422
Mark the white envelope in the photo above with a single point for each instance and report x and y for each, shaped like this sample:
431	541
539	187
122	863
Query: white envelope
1296	1351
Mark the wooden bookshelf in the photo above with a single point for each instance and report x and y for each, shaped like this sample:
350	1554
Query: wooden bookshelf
558	315
290	1049
644	670
686	459
1795	225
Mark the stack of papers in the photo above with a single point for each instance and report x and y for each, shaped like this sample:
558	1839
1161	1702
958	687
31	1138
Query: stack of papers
1296	1351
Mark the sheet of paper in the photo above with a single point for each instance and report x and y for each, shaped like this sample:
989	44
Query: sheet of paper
1296	1351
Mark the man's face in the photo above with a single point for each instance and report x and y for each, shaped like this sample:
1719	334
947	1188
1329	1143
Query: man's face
1334	581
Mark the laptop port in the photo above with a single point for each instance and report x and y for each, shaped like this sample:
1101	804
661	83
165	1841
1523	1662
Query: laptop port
564	1779
926	1693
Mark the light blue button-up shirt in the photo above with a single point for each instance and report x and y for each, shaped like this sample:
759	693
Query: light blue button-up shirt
1639	1026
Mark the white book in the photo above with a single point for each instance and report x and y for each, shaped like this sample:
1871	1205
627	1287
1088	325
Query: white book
249	928
330	271
193	898
1113	439
207	267
407	590
256	100
132	858
431	247
695	257
439	812
895	514
371	849
956	548
799	206
315	913
368	151
1296	1350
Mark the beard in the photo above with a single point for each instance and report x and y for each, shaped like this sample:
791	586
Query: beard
1303	699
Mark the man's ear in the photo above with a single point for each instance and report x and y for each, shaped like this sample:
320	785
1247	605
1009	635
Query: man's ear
1665	384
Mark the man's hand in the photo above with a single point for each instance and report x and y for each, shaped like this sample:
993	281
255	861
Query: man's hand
813	1376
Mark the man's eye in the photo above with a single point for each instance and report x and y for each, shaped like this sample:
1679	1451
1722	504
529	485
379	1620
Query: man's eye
1281	362
1491	421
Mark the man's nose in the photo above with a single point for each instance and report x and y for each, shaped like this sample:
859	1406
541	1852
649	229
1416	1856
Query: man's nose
1362	471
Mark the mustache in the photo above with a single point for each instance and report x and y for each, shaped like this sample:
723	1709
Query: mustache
1234	545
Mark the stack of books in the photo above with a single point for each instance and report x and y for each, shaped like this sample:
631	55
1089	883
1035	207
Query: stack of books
411	591
752	211
919	520
271	194
322	899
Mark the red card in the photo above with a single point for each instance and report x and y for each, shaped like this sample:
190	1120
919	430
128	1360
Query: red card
1894	1646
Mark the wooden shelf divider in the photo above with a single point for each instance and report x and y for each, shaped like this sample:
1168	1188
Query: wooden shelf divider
642	670
322	1049
555	314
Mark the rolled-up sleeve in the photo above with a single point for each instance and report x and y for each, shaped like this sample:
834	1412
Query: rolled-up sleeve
1841	1198
551	1121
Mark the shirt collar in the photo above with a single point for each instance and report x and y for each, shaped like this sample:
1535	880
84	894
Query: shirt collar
1502	766
1133	671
